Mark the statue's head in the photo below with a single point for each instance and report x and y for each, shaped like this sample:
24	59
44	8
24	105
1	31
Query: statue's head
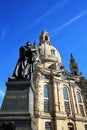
28	44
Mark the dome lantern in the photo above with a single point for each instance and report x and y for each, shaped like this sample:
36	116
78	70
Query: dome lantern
44	37
48	53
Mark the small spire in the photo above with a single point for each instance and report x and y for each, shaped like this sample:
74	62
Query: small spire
72	58
34	42
74	66
34	45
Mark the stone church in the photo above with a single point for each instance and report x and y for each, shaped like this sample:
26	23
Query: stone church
59	97
60	102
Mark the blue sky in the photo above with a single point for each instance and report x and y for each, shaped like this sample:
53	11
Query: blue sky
24	20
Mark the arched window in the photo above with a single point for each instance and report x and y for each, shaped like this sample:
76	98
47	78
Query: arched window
46	98
66	100
80	103
46	37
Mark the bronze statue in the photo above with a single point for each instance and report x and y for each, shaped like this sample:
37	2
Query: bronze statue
25	62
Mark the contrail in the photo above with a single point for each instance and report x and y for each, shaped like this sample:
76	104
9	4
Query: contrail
60	28
57	7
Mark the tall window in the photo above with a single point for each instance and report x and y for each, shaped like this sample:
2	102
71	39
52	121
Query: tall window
80	103
46	98
47	125
79	97
66	100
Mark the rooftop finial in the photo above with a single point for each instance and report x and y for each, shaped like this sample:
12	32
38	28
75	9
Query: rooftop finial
74	67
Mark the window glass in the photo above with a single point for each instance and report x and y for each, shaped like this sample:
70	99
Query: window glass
46	98
65	93
66	100
85	126
46	91
46	37
46	76
80	103
47	125
46	105
52	52
64	77
79	97
67	107
82	110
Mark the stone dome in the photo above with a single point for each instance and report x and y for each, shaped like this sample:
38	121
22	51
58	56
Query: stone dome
47	51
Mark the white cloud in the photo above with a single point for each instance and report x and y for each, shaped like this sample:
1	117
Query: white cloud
60	28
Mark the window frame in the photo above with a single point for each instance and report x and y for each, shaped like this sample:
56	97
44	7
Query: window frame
79	97
46	91
65	93
80	103
46	38
66	100
52	52
46	98
85	126
48	125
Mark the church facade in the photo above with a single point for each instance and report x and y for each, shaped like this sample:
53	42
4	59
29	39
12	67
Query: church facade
60	99
46	95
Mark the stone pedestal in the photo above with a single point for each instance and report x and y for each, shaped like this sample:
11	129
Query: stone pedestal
18	104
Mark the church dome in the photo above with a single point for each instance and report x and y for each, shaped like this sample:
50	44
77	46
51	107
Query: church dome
47	51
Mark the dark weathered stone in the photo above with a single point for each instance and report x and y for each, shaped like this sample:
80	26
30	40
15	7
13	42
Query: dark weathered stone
17	97
18	104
